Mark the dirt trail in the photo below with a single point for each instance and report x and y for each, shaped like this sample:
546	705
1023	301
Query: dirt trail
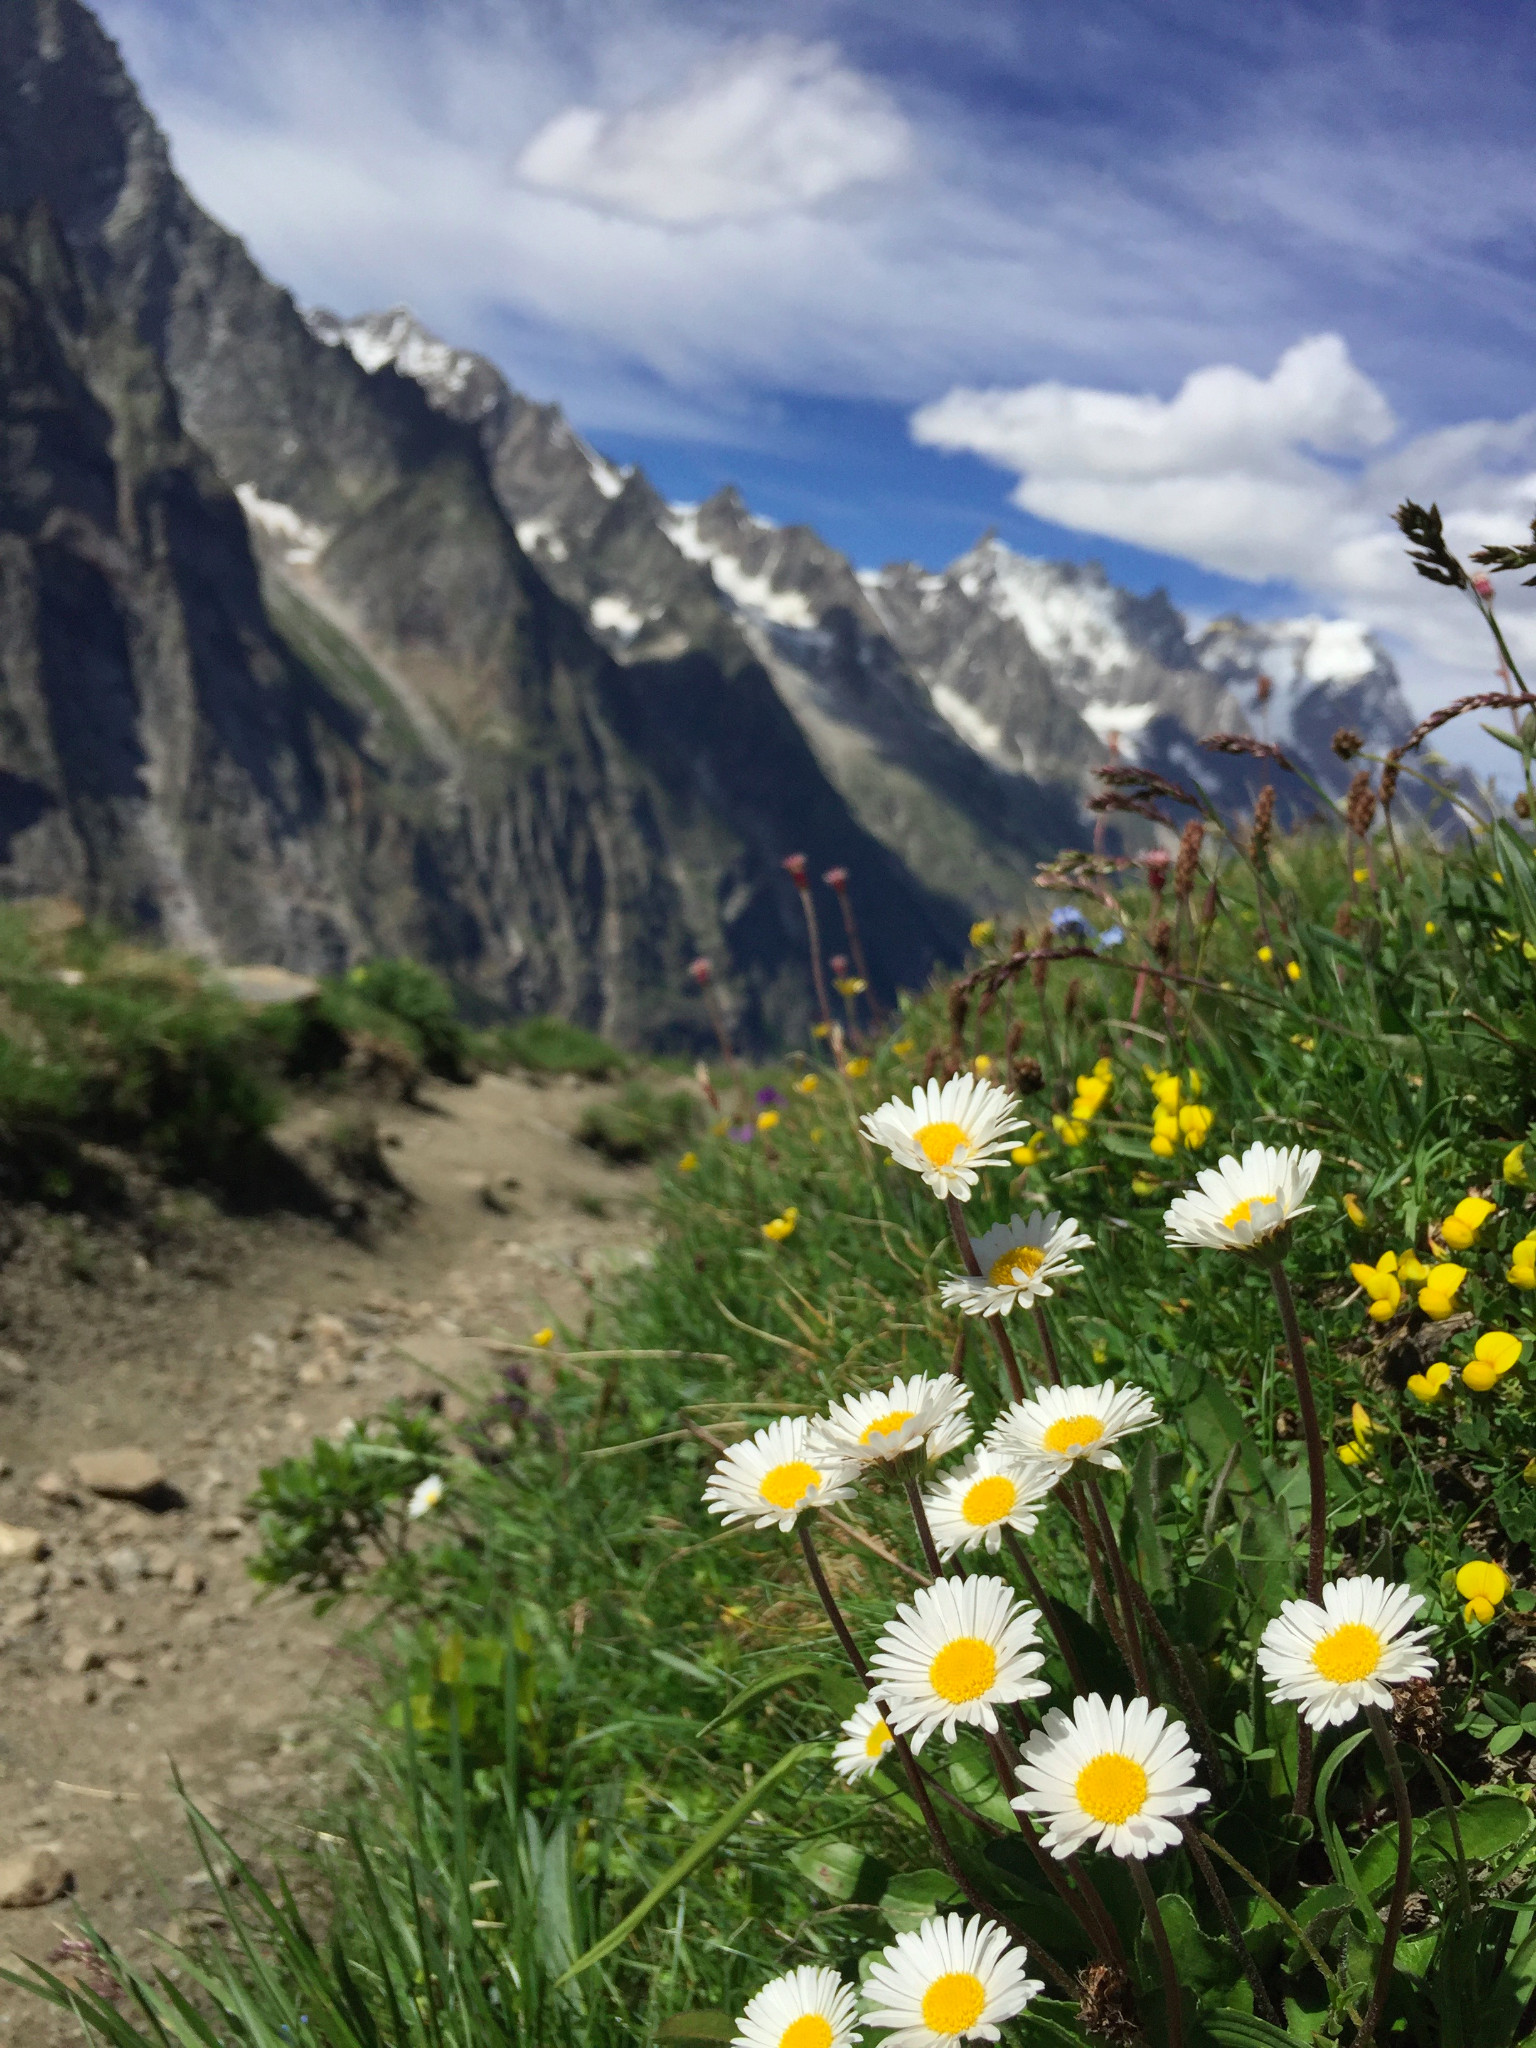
138	1640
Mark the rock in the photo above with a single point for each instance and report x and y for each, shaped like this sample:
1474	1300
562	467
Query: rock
123	1566
124	1672
187	1581
35	1877
13	1366
127	1474
51	1487
261	984
226	1528
15	1542
79	1658
25	1615
160	1562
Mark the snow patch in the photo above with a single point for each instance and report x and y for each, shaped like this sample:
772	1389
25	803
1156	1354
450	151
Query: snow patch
615	614
303	539
1070	616
536	535
1125	721
752	591
979	733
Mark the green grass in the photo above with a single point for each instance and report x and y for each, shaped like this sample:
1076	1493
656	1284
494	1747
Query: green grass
549	1045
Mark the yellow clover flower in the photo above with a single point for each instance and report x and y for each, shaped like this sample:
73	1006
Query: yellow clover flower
982	1063
1070	1131
544	1337
767	1119
1482	1586
777	1228
1411	1269
1430	1386
1522	1265
1358	1452
1513	1168
1437	1297
1460	1228
1381	1286
1355	1211
1293	970
1266	954
807	1084
901	1047
1195	1122
689	1163
857	1069
1495	1353
983	931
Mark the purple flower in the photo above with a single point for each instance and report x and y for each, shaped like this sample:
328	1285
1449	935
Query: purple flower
743	1134
768	1096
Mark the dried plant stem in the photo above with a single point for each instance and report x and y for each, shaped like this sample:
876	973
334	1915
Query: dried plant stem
1172	1998
1037	1593
915	1777
1400	1882
962	1238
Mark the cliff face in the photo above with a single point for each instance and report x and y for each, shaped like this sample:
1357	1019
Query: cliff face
431	748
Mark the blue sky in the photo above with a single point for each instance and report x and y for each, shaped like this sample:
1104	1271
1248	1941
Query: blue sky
1194	289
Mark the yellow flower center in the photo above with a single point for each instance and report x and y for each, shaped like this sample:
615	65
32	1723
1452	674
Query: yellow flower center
1243	1213
811	2030
887	1424
878	1740
785	1486
1024	1258
1072	1434
1111	1787
963	1670
989	1500
953	2003
940	1142
1346	1653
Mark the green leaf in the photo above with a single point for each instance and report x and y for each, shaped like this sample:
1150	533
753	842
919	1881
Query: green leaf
1506	1738
1242	2030
909	1900
1200	1962
690	1860
697	2026
1490	1822
764	1689
835	1868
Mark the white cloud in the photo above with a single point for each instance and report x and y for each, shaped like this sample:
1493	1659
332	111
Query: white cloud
754	129
1292	476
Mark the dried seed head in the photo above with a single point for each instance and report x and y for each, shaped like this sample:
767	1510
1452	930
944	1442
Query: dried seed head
1346	743
1263	822
1162	940
1344	921
1211	905
1417	1715
1109	2005
1360	804
1014	1039
1028	1075
1389	776
1187	870
1522	805
933	1062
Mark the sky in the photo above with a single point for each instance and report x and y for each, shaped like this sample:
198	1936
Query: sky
1194	290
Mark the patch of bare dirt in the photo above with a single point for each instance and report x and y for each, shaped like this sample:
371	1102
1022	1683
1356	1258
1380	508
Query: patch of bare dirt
137	1642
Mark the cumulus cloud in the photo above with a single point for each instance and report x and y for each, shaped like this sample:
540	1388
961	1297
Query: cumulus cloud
1290	476
753	130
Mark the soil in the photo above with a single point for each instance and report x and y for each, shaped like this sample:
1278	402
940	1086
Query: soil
139	1645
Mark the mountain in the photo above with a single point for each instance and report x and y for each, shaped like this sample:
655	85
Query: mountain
479	781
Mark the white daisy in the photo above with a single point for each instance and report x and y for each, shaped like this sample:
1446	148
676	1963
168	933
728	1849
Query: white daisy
1059	1427
951	1979
1239	1204
948	1131
1111	1776
1018	1262
1335	1659
986	1495
864	1428
774	1475
866	1738
807	2008
426	1497
954	1654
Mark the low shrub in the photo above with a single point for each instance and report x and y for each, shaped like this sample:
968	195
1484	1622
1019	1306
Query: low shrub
548	1045
640	1123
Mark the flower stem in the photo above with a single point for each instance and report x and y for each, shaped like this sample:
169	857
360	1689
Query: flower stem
1037	1593
1088	1912
1061	1977
1291	1925
1122	1580
1317	1483
1400	1882
1172	1999
931	1556
1078	1510
1263	2003
1047	1345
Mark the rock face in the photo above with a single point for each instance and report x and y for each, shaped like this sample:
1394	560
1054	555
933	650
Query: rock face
34	1877
398	737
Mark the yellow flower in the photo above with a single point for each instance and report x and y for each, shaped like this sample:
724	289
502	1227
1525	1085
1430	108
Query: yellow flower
1362	874
820	1030
816	1134
767	1119
1026	1155
1529	1474
1100	1352
983	931
1353	1454
1411	1269
1354	1209
902	1047
1513	1169
1359	1452
1092	1093
1460	1228
1495	1353
719	1127
1143	1184
982	1063
689	1163
544	1336
1266	954
1293	970
1430	927
807	1084
1306	1044
1430	1386
1482	1585
777	1228
1381	1288
1104	1069
1070	1133
1167	1091
857	1069
1437	1297
1522	1265
1195	1122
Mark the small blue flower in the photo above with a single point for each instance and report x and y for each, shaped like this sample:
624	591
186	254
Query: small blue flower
1069	922
1112	935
